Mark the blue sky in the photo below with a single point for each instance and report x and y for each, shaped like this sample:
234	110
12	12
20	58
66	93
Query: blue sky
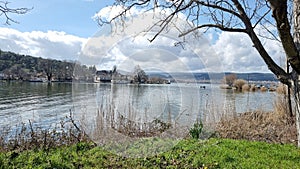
71	16
65	30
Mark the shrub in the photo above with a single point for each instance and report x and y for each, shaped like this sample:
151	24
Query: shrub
229	79
245	88
196	130
253	88
239	84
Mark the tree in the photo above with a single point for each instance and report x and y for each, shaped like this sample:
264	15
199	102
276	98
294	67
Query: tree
6	11
239	16
114	69
47	68
229	79
139	75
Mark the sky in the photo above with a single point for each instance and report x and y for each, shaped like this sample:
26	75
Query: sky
67	30
71	16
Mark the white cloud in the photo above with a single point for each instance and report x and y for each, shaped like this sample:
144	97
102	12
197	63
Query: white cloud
230	52
51	44
109	12
131	42
238	54
128	46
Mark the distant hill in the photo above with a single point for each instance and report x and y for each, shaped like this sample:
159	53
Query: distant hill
245	76
24	67
204	76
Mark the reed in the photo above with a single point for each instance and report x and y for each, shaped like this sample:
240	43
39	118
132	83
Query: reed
27	136
274	127
281	89
117	126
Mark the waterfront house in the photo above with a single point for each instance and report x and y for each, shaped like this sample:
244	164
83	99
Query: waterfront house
104	76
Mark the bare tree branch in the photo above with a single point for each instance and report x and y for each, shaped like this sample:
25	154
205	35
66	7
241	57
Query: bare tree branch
273	36
169	18
215	6
5	11
261	18
221	27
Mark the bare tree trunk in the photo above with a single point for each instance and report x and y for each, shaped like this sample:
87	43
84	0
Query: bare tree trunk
296	14
289	98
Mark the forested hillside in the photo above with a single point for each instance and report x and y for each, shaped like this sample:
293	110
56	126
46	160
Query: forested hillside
23	67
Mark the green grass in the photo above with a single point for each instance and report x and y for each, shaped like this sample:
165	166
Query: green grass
189	153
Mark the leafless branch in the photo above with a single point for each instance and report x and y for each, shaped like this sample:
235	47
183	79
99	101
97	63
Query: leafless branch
273	35
215	6
261	18
169	18
221	27
6	11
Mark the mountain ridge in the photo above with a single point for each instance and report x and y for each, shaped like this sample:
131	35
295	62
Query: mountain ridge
206	76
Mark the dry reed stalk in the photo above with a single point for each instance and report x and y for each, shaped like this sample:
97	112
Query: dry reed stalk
275	127
111	124
281	89
31	136
213	113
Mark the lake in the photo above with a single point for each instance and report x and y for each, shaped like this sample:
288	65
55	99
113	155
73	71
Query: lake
47	103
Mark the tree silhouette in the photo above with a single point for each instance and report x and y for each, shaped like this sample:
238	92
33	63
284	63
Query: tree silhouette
139	75
5	11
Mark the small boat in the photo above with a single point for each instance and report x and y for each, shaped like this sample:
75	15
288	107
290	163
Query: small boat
120	81
38	80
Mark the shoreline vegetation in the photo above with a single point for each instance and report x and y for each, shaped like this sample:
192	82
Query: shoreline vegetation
230	81
252	139
256	139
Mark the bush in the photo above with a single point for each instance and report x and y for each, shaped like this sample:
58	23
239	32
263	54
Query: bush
253	88
229	79
246	88
239	84
196	130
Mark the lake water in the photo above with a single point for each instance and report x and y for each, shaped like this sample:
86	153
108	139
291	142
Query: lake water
47	103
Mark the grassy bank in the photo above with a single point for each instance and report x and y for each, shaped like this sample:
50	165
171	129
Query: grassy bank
188	153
